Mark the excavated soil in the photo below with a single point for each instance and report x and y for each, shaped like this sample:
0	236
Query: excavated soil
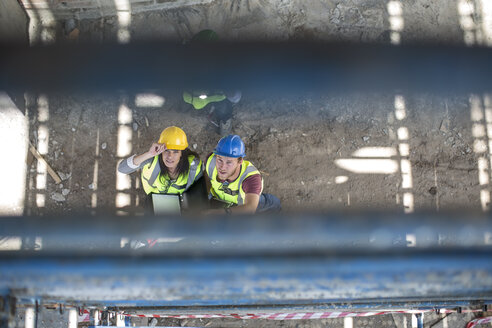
316	152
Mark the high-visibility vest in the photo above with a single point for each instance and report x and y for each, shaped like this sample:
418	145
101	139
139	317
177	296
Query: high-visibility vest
231	192
194	99
155	182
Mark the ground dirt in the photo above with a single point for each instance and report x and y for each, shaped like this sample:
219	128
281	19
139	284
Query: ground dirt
300	144
350	152
307	146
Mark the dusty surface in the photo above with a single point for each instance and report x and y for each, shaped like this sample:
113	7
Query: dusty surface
311	148
299	143
52	318
354	20
397	321
302	143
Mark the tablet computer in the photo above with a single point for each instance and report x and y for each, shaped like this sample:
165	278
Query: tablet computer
166	204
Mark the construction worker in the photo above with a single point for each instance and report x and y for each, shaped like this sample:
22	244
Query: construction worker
168	167
219	103
235	182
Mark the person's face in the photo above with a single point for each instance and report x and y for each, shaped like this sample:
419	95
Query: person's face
171	158
227	166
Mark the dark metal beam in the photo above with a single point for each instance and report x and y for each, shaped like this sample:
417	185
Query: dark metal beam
309	261
257	234
262	68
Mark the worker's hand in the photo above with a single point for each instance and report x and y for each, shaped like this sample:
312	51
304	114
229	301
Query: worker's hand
156	149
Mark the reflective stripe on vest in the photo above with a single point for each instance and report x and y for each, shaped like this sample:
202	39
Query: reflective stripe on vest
154	183
155	170
249	169
233	189
192	173
211	166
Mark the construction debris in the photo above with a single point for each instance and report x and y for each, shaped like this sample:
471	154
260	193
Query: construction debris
40	158
58	197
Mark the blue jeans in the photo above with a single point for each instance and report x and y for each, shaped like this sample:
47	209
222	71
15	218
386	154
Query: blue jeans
268	204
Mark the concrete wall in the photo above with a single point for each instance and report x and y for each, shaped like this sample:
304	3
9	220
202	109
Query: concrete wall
89	9
13	22
395	21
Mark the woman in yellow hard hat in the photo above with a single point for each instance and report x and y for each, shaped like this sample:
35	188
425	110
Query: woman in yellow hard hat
169	166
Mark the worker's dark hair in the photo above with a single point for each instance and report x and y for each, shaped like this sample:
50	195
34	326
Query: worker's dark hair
183	164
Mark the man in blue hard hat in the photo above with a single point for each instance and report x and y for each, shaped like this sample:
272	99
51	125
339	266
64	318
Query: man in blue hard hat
235	181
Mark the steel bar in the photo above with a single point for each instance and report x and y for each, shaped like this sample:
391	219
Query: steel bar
251	280
264	68
263	262
255	234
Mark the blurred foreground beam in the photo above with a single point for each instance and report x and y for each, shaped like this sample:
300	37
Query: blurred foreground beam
254	67
303	262
252	235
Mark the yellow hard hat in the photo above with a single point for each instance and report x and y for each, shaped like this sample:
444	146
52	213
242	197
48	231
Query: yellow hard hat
174	138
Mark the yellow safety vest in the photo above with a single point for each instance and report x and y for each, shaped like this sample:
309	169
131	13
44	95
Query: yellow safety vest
155	182
231	192
194	99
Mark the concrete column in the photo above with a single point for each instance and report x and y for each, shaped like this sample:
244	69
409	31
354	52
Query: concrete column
13	22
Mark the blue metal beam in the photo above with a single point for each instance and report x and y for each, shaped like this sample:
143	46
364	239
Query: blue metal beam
252	281
312	262
265	68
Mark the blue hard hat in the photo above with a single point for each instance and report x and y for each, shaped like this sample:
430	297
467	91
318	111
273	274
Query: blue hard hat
230	146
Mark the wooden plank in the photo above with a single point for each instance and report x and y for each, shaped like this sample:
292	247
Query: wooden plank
40	158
